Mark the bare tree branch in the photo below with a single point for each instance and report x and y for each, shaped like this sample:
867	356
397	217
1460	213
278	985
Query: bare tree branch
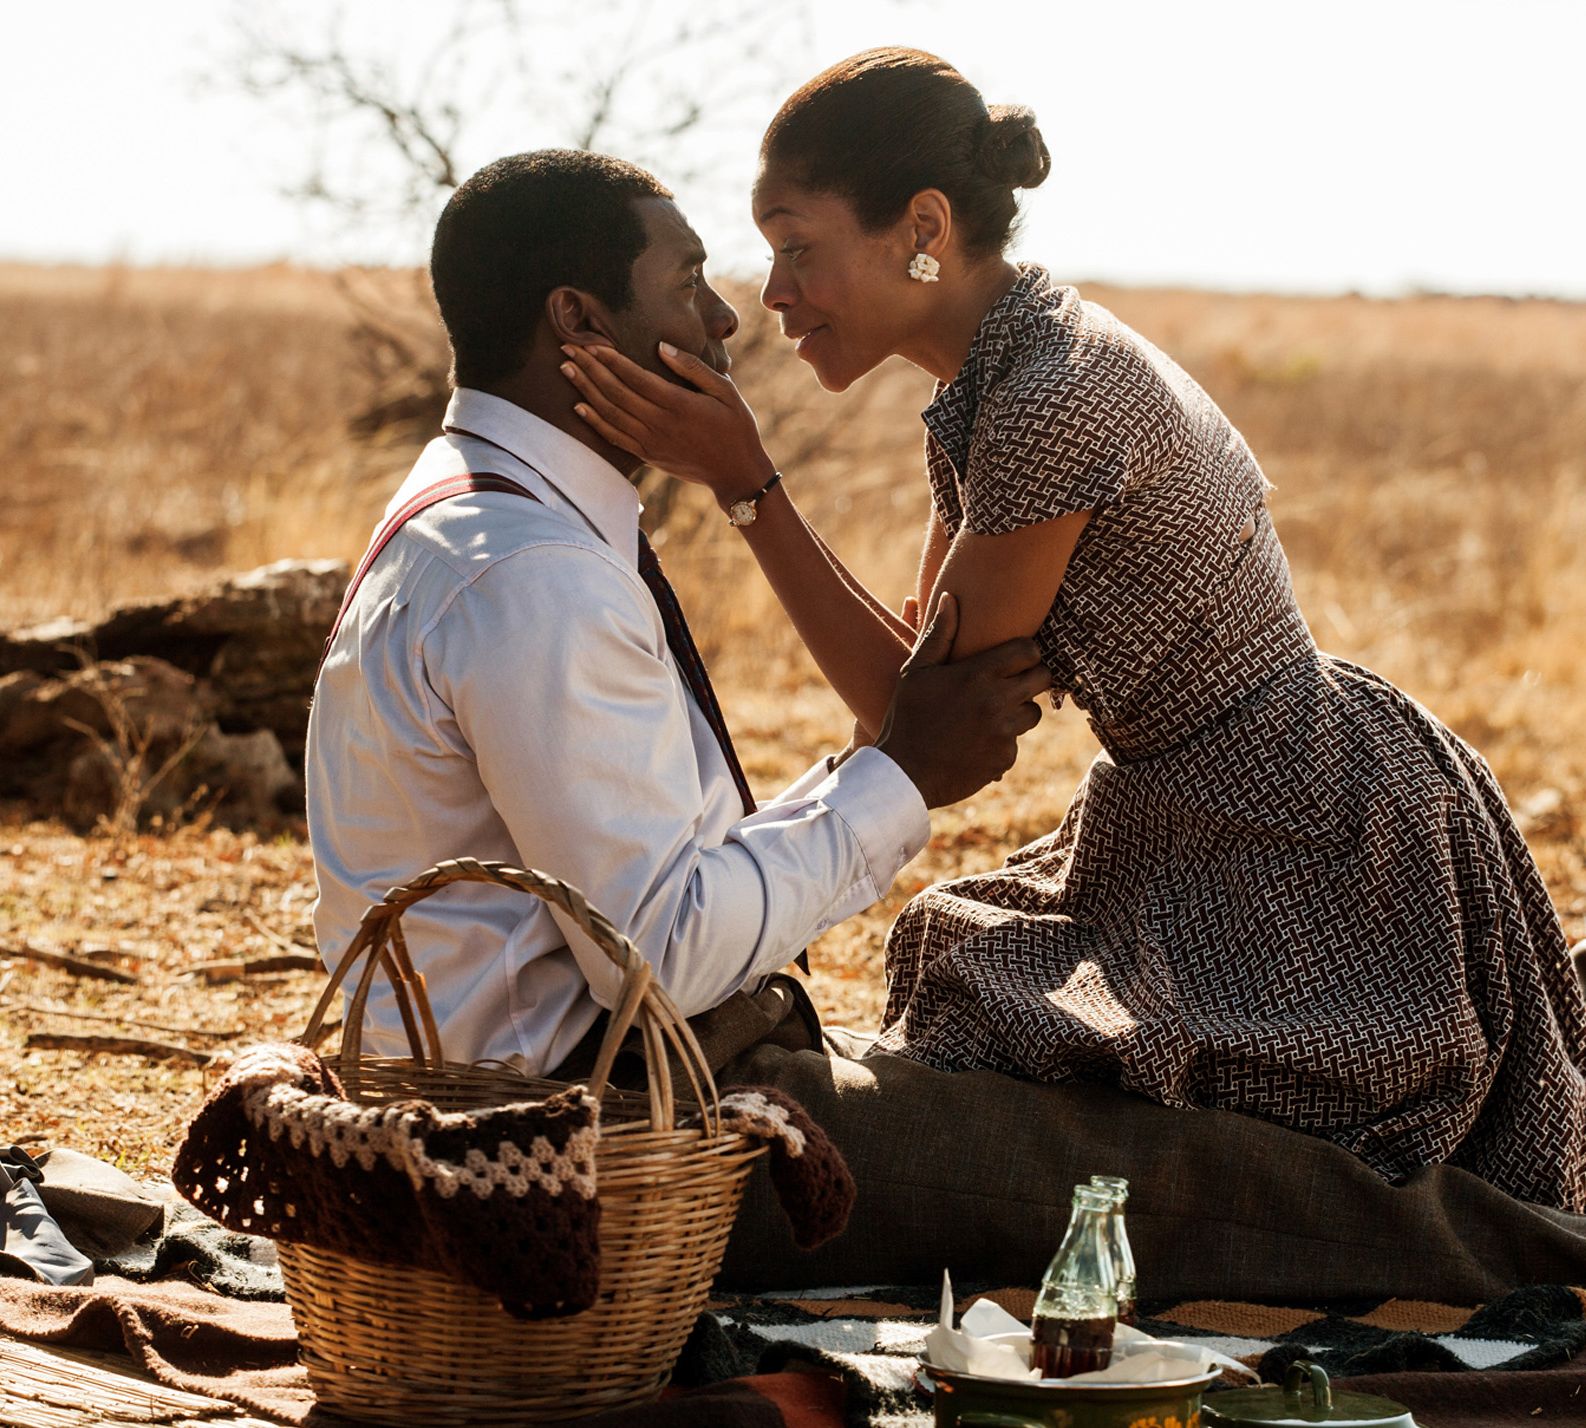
388	140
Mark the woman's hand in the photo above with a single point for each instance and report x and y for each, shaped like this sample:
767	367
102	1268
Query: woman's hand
699	429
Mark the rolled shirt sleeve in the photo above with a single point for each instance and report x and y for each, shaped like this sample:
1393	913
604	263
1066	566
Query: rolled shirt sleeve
553	666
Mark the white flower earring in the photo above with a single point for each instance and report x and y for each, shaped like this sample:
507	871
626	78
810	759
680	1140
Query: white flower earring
923	268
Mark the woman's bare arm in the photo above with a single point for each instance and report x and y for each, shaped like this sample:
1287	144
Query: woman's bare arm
708	435
705	433
858	643
933	554
1006	584
899	625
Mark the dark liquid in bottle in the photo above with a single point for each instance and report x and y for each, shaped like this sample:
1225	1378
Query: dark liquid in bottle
1063	1347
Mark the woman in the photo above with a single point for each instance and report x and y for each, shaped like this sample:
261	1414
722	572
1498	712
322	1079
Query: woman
1283	888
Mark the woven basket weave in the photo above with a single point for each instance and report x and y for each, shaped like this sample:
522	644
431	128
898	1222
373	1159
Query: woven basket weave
397	1345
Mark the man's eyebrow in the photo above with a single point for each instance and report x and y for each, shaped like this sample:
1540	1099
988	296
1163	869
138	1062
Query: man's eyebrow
777	212
694	258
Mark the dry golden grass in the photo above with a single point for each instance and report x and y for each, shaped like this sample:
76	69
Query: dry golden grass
159	427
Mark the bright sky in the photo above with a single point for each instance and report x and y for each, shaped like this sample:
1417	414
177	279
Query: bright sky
1371	144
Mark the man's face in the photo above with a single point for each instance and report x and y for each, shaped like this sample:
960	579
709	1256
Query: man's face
672	302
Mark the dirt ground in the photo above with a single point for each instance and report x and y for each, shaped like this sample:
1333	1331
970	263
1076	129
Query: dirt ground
160	428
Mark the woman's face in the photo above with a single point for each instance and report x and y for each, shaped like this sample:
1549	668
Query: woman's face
842	293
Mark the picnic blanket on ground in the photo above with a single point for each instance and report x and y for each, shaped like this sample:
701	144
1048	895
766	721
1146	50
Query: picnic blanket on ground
1437	1356
1506	1363
208	1348
179	1334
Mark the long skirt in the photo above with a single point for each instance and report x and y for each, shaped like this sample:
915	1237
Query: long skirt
1317	911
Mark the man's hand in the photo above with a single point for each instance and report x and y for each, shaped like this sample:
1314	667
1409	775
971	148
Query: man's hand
954	728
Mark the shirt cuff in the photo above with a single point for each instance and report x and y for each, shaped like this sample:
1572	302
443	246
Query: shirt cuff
876	799
804	785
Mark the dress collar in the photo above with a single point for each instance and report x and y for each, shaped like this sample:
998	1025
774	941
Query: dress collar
600	492
950	417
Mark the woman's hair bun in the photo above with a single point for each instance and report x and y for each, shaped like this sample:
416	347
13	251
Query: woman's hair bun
1011	149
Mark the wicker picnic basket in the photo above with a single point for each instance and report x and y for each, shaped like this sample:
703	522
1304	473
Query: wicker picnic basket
401	1345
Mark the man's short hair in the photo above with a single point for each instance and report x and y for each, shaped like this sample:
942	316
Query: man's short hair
517	229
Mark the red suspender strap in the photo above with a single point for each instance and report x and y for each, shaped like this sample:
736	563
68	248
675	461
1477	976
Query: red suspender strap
419	501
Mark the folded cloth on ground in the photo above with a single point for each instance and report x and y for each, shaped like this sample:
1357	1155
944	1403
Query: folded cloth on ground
502	1198
177	1333
32	1244
102	1210
190	1243
873	1337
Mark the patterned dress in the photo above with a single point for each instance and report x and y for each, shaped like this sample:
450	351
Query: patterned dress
1283	888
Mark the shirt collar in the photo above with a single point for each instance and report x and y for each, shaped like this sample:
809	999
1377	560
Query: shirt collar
602	494
950	417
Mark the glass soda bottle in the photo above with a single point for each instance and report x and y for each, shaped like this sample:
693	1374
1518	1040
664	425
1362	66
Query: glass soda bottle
1118	1237
1077	1309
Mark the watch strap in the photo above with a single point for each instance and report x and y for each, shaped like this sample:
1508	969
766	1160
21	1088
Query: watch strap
754	500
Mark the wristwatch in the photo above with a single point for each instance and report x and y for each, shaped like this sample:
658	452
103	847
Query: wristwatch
743	513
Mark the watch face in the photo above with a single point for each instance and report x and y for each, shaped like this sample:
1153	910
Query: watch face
742	512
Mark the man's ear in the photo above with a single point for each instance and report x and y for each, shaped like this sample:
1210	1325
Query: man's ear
578	318
930	221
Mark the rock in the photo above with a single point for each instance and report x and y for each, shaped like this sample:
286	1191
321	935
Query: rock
123	702
248	771
23	722
126	740
252	642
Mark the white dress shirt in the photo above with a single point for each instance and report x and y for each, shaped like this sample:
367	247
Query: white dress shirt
501	688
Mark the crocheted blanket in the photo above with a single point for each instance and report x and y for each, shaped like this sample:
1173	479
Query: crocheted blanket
812	1181
502	1198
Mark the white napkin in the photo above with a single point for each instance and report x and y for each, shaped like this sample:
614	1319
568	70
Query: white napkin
968	1350
984	1344
1138	1358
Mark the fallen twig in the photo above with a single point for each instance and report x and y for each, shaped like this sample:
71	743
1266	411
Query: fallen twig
77	966
117	1046
286	944
223	1032
231	969
286	962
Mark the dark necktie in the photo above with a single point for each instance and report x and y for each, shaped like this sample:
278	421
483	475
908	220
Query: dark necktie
687	655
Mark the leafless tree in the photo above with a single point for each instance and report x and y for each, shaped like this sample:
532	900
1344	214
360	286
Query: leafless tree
392	123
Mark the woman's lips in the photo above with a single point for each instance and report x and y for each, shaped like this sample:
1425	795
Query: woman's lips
804	341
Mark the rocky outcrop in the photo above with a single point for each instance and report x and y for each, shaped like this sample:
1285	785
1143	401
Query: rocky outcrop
199	698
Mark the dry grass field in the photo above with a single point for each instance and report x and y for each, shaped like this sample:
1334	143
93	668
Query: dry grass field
159	427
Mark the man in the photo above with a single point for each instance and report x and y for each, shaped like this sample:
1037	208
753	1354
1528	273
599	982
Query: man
512	679
504	683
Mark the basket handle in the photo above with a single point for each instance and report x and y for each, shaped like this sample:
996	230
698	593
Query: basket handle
379	945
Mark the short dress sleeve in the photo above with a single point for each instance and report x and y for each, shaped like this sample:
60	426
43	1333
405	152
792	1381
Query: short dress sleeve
1062	437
